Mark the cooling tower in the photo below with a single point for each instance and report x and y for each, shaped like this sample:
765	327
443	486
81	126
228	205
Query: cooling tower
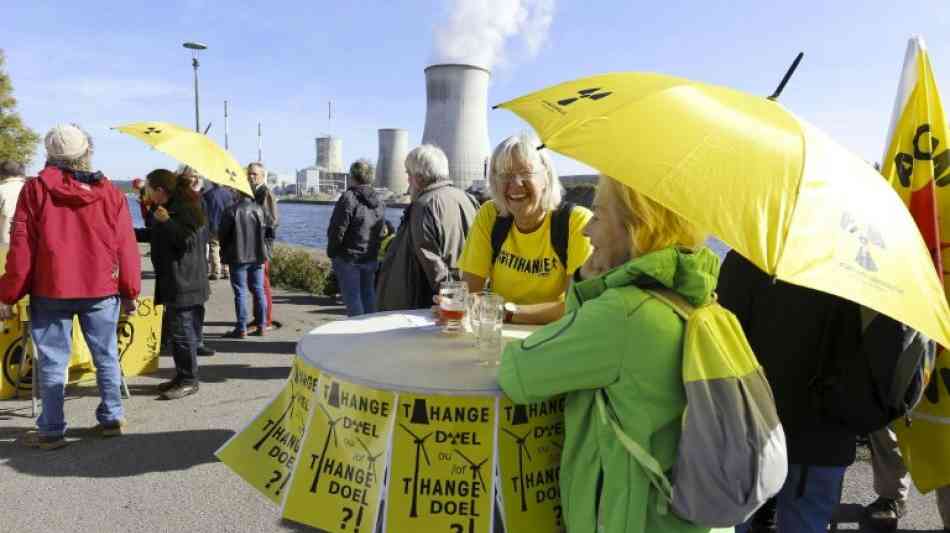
330	154
391	163
457	118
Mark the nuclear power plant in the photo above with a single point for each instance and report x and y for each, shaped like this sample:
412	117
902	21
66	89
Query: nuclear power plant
330	154
457	119
391	161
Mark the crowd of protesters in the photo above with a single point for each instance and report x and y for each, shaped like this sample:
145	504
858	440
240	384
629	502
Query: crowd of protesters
583	275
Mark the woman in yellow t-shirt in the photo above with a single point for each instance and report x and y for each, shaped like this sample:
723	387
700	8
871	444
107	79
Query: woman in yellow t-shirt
527	271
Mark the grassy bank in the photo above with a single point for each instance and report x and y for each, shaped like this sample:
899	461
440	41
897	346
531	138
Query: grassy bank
303	269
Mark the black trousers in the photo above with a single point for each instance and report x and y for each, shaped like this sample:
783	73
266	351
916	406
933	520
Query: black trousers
186	325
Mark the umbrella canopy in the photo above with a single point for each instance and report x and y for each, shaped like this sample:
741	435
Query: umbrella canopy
193	149
773	187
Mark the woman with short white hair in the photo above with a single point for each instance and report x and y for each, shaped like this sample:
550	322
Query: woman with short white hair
525	242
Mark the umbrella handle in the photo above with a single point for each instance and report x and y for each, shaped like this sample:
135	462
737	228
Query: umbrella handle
788	75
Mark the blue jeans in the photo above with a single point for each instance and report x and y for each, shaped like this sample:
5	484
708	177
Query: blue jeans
186	337
52	334
807	507
243	276
357	285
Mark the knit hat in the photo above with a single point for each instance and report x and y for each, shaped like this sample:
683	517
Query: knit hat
66	142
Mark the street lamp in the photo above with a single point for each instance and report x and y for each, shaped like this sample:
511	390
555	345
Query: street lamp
195	48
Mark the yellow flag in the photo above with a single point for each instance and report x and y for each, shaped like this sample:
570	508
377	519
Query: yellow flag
917	165
265	451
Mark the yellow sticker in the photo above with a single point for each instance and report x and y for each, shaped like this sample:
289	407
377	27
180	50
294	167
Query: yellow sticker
530	438
441	475
265	451
338	481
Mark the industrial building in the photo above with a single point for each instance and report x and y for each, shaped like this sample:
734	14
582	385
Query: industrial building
391	161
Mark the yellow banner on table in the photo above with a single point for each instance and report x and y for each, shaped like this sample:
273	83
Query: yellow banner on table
530	439
441	475
139	340
917	165
338	482
264	452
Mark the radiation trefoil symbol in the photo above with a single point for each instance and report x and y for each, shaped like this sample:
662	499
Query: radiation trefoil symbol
152	130
591	94
868	236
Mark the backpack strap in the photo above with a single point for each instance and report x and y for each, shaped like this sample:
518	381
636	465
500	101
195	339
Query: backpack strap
673	299
651	467
561	231
499	232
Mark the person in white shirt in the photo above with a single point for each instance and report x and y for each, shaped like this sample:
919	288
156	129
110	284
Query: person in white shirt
11	181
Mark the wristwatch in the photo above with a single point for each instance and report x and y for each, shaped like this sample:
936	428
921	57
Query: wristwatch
510	309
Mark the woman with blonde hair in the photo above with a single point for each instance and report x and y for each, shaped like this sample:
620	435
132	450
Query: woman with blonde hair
616	339
525	241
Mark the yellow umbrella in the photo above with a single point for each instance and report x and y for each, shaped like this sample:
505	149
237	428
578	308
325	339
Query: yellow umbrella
193	149
773	187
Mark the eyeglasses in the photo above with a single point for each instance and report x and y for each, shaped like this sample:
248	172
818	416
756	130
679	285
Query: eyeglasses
524	175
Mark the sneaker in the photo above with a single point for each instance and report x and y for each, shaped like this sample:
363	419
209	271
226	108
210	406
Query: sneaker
179	391
213	277
883	513
164	386
43	442
111	429
260	332
235	334
204	351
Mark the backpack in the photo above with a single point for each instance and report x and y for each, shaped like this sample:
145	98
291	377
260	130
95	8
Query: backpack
731	457
560	230
882	381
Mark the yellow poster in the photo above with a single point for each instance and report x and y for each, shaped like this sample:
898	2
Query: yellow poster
139	338
338	482
530	438
441	475
265	451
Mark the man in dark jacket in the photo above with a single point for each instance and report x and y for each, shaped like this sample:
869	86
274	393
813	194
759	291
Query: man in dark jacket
244	249
178	234
353	237
216	199
431	234
257	176
798	335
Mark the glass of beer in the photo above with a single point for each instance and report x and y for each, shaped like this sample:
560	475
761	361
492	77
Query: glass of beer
490	311
452	299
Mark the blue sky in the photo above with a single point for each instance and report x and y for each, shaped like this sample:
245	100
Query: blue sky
103	63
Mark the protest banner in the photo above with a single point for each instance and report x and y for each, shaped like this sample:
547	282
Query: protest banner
530	439
338	481
265	451
441	474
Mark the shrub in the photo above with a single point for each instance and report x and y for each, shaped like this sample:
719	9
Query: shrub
294	268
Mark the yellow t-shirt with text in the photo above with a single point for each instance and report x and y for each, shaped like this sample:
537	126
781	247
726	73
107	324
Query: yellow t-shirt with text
527	270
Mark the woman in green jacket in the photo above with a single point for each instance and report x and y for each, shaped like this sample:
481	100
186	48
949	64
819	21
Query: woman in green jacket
617	338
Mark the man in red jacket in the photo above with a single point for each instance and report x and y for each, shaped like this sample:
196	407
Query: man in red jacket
73	252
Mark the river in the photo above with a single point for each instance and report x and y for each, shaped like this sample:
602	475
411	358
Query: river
306	224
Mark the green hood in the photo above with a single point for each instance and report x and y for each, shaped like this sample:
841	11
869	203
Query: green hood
691	274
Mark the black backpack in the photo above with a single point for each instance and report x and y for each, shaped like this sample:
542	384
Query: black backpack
882	381
560	231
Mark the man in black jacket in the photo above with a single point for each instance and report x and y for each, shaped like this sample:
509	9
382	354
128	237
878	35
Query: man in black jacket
245	250
178	234
353	237
798	335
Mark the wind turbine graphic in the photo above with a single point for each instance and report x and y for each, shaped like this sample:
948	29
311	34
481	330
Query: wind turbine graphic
288	411
475	468
369	456
420	445
522	452
331	423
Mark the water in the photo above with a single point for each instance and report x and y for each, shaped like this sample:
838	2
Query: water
303	224
306	224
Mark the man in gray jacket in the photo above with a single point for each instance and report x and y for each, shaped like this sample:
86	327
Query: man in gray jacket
430	237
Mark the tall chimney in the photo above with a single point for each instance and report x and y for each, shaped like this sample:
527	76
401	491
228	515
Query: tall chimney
330	154
457	118
391	162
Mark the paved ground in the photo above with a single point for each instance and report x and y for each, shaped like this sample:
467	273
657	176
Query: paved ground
163	476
